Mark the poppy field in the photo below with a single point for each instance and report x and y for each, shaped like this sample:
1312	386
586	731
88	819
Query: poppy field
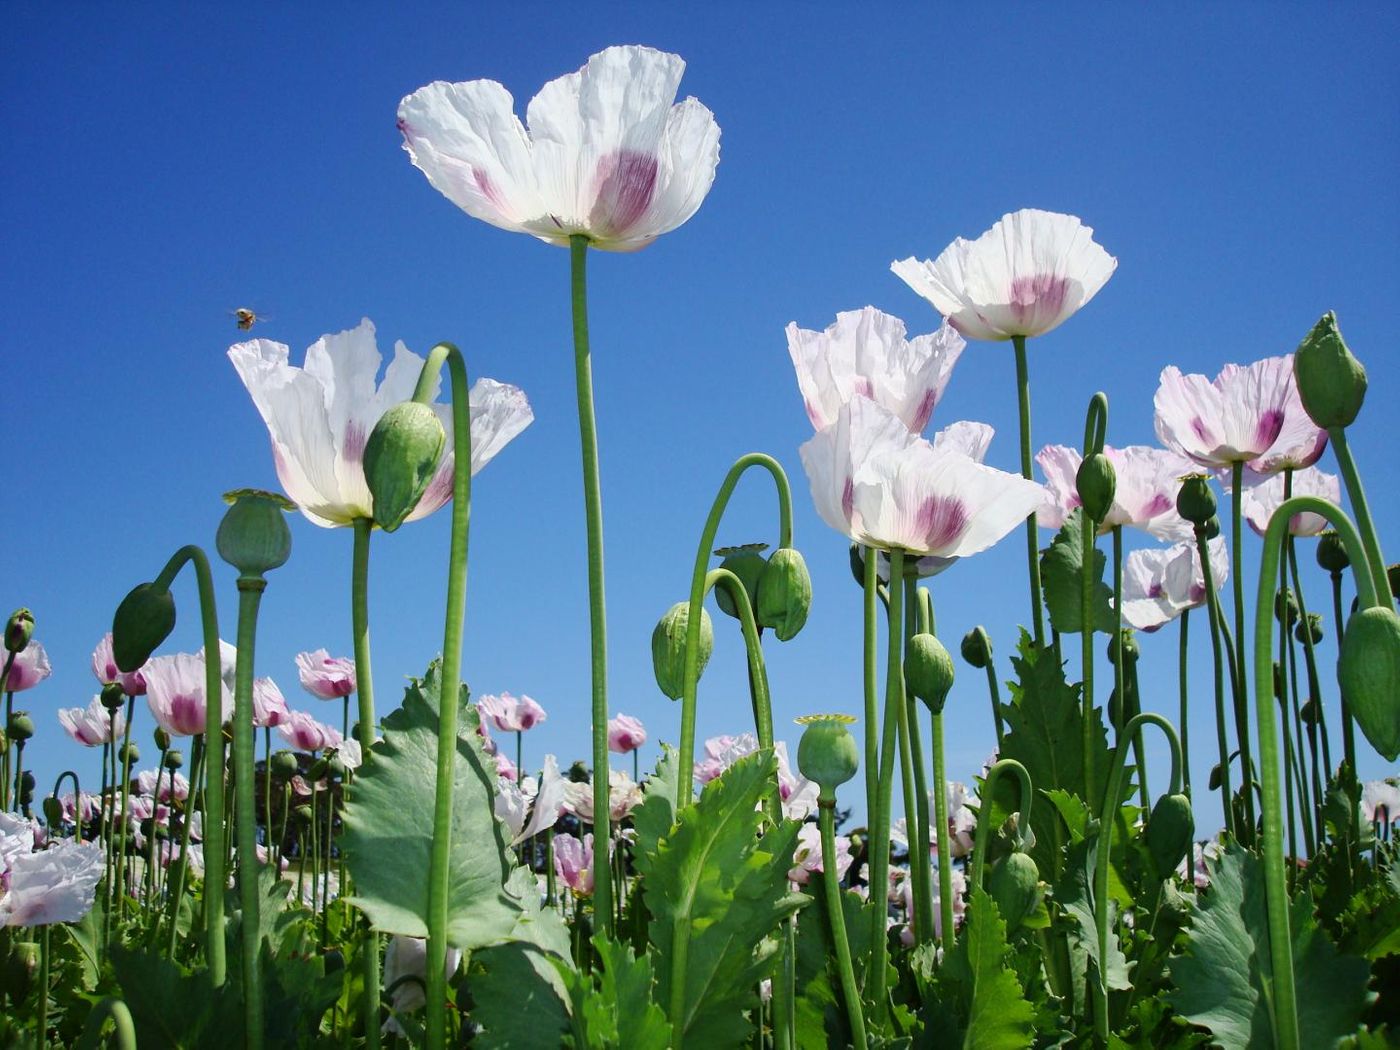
229	869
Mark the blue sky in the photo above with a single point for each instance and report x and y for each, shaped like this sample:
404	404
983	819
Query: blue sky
166	166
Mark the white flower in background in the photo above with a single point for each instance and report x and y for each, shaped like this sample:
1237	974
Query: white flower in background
175	693
865	353
1146	481
94	724
607	153
1261	496
408	957
1160	583
1025	276
624	795
807	858
57	884
1380	800
320	416
550	800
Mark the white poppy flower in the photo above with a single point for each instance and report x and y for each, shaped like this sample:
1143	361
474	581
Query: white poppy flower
607	153
1261	496
321	415
1146	481
1235	418
1161	583
1025	276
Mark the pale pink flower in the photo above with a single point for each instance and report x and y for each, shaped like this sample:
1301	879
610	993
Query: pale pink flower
1160	583
1300	442
1380	800
882	486
607	154
625	734
573	862
408	957
94	724
959	891
807	858
624	795
171	786
175	693
505	768
30	667
305	733
1261	496
325	676
551	800
104	668
80	809
865	353
1233	419
57	884
510	714
269	705
797	794
1025	276
1202	853
320	416
1146	481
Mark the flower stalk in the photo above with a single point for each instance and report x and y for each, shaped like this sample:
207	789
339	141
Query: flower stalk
1023	404
878	979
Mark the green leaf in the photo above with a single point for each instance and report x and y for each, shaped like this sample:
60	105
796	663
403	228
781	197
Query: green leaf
821	1012
1075	893
172	1007
518	996
389	830
655	816
612	1007
716	890
1060	572
998	1015
1223	979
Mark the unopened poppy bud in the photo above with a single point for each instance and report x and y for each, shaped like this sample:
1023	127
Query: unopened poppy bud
1126	643
162	739
1170	829
1332	553
1214	779
1331	381
129	754
112	696
401	457
827	754
26	787
857	558
143	620
1212	527
1310	712
20	727
1286	604
53	812
23	964
668	648
284	764
1309	630
18	630
1096	482
1369	673
1015	886
747	563
1392	577
977	647
253	536
784	593
928	670
302	814
1195	501
174	759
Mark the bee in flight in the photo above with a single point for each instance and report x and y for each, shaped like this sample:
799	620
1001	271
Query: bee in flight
246	318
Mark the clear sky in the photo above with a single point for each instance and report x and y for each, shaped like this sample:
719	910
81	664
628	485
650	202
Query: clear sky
165	165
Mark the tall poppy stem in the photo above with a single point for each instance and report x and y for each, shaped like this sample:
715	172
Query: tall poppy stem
1364	523
870	678
1023	393
1086	645
1348	726
836	918
916	620
878	980
364	687
1214	620
1182	664
250	589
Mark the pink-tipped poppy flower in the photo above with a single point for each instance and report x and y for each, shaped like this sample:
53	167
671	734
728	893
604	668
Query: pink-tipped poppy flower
1235	418
94	724
1300	442
1261	496
807	857
269	705
551	800
865	353
53	885
1146	484
175	693
625	734
510	714
325	676
1027	275
1160	583
305	733
104	669
30	667
573	862
320	416
607	154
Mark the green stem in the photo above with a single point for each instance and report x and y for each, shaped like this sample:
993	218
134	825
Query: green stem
945	845
878	978
197	760
1181	684
986	828
1348	727
121	1018
364	689
918	862
1023	400
836	918
1291	781
1086	646
250	589
1213	620
1370	541
42	1029
1242	681
126	798
870	678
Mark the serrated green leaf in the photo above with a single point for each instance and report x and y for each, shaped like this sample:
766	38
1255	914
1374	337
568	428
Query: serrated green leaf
172	1007
655	815
821	1012
389	829
716	890
1060	572
998	1015
1222	980
519	998
612	1007
1075	894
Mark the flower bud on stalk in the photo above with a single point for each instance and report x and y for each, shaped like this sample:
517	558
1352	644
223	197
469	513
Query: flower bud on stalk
784	593
112	696
1170	829
928	670
26	789
1286	604
977	647
401	456
143	620
668	648
827	754
284	764
1369	673
1015	886
1096	482
20	727
174	759
18	630
253	536
129	754
162	739
1127	643
53	812
1309	630
747	563
1332	553
1195	501
1331	381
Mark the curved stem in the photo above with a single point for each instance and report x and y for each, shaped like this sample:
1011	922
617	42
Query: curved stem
836	919
121	1017
1213	621
364	689
878	979
985	827
1370	541
1181	683
691	678
78	799
994	691
1242	681
250	589
1023	401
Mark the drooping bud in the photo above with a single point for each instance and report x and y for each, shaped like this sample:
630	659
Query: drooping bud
858	564
1309	630
112	696
977	647
53	812
162	739
1212	527
401	456
143	620
302	814
20	726
784	593
1332	553
18	630
668	648
253	536
284	764
1015	886
1331	381
1170	829
1195	501
1392	577
747	563
1369	673
174	759
1126	643
1285	604
1096	482
928	670
1310	712
827	754
26	789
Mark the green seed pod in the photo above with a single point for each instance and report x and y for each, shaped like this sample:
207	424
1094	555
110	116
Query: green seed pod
112	696
1285	603
1096	482
162	739
1332	553
1369	673
747	563
1126	641
129	754
1014	884
1310	712
20	969
1309	630
401	456
253	536
1331	381
143	620
26	788
20	727
977	647
1169	832
827	754
53	812
1214	780
668	648
1195	501
18	630
1212	527
302	814
284	764
784	593
928	670
174	759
